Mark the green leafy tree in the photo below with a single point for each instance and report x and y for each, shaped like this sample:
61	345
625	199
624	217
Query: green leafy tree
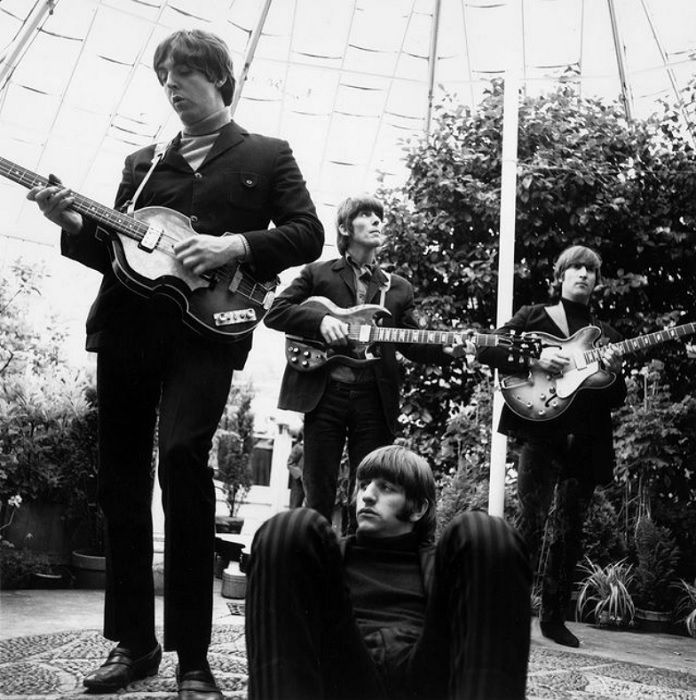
235	441
585	175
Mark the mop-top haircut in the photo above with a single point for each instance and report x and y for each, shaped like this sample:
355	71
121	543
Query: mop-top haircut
202	51
404	468
576	255
348	209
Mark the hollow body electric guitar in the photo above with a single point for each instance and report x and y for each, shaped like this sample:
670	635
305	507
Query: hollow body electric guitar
541	396
224	304
306	355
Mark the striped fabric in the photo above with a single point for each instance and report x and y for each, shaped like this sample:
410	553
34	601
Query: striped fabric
302	641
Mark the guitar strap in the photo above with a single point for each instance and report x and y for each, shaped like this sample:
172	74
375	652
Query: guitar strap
558	316
160	150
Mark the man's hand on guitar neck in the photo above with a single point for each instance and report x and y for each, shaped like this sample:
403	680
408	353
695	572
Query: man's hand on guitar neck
54	202
201	253
611	359
460	348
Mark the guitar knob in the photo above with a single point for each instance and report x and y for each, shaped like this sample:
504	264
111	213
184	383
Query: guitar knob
552	390
529	404
293	359
305	363
542	397
293	348
306	353
554	404
541	412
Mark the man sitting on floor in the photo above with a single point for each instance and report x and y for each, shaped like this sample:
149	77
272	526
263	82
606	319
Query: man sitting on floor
386	613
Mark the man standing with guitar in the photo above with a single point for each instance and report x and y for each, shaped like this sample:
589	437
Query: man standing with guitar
230	184
571	452
348	398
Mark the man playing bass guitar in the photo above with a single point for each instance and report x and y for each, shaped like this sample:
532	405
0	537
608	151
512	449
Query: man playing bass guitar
341	401
572	451
230	184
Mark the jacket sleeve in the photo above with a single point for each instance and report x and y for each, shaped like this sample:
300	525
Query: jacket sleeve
499	357
298	235
287	314
85	247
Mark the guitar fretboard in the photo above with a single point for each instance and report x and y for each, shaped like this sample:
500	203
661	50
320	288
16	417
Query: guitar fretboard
122	223
383	334
642	341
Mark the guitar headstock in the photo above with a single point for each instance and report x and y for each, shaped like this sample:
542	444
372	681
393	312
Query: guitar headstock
521	346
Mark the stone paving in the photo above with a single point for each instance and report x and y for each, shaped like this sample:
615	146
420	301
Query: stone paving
51	666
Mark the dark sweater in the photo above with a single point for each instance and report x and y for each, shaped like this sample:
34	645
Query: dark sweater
385	582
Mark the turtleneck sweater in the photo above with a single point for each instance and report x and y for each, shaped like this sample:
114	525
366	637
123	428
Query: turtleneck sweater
385	582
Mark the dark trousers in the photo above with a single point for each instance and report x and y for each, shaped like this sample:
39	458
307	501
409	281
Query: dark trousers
189	380
559	465
303	642
346	411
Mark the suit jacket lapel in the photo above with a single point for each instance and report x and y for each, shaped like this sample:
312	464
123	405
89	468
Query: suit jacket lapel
345	272
230	135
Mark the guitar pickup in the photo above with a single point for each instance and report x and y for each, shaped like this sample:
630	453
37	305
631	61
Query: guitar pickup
231	318
151	239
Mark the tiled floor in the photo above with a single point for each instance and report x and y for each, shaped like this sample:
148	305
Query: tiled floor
49	639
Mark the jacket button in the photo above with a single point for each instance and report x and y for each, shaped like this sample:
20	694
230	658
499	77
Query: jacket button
248	182
198	176
194	218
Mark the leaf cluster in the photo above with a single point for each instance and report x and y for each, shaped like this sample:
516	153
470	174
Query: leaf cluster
607	588
235	441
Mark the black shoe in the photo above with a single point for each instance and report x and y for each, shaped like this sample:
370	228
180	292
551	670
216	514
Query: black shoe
197	685
559	633
120	669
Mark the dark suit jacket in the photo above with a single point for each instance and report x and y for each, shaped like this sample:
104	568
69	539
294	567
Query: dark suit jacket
334	279
590	413
245	182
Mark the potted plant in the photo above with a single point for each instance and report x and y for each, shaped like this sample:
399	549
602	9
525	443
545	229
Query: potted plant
685	609
657	554
607	589
234	442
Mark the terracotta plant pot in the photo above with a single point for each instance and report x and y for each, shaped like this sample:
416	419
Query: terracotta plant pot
90	570
653	620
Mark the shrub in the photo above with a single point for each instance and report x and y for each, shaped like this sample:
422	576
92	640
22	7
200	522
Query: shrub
602	539
608	588
657	554
686	605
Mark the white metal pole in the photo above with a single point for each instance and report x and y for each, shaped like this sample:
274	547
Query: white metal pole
253	43
618	48
432	62
9	60
506	270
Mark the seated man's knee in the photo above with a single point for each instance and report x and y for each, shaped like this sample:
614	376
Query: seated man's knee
483	536
292	533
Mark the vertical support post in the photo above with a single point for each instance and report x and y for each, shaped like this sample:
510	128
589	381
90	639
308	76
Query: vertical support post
282	444
432	62
251	50
9	61
506	271
618	49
